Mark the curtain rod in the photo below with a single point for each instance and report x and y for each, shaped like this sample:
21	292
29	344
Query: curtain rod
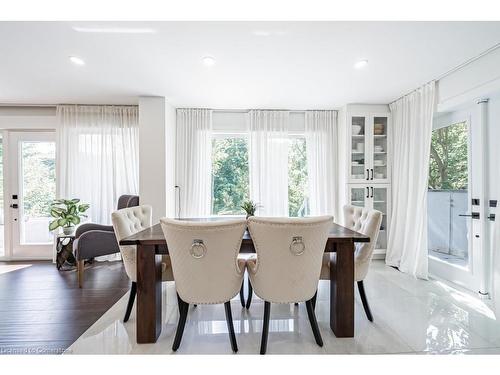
453	70
3	105
259	109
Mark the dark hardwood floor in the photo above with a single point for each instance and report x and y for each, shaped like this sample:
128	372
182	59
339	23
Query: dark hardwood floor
42	310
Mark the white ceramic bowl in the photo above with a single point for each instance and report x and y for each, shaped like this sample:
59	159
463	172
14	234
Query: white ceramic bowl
356	129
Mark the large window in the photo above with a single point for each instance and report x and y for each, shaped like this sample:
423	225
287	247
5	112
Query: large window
230	176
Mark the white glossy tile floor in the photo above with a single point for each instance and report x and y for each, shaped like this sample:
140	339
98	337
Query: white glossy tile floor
410	316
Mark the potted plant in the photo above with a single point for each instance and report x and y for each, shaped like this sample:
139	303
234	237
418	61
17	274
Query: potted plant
67	213
250	207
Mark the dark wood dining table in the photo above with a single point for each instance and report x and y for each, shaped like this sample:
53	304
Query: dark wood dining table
151	244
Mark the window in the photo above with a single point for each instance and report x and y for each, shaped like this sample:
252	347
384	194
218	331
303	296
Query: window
230	184
297	177
230	175
449	159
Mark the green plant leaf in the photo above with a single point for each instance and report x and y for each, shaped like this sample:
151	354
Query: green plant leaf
75	200
83	207
62	222
53	225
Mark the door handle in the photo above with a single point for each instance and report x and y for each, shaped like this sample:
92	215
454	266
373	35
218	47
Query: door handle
474	215
372	191
14	205
372	174
367	174
367	192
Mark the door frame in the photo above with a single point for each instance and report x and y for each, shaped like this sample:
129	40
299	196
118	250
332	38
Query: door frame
7	193
469	278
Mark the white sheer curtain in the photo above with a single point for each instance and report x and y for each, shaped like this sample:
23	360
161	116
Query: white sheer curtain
321	134
411	139
98	156
268	161
194	162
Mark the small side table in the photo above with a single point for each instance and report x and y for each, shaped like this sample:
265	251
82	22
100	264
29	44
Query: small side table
65	260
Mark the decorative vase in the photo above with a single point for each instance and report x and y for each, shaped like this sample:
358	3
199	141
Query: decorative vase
68	231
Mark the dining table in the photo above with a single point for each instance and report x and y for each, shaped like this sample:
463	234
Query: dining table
151	245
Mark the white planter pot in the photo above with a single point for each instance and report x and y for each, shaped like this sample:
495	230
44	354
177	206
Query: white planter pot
68	231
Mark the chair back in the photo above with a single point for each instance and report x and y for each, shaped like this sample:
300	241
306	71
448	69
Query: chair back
367	222
289	256
126	201
204	258
127	222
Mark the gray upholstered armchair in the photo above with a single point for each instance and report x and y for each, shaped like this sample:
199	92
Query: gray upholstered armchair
95	240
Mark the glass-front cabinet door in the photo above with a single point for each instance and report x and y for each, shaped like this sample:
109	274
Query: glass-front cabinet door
379	196
358	195
378	149
358	132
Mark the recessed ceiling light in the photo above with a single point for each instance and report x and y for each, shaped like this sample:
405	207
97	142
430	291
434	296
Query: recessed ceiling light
209	61
76	60
361	64
114	30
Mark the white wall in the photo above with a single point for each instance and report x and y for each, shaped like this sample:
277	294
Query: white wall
466	85
21	118
157	155
170	160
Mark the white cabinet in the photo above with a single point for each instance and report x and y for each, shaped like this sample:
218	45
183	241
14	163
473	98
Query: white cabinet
374	196
367	132
368	148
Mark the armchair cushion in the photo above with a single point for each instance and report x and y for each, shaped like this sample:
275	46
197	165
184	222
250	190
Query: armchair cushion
95	243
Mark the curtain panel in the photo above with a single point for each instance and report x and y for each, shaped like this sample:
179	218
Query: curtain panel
98	156
321	133
268	161
411	140
194	163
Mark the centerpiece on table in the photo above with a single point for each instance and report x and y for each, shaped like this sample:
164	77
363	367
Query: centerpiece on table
250	207
67	213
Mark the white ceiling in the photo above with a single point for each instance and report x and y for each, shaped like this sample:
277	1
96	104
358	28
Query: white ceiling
289	65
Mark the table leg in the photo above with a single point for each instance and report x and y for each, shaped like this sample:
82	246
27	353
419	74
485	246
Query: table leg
342	290
148	319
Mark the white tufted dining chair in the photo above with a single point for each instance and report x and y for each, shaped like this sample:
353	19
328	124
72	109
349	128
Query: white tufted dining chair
288	263
205	265
367	222
127	222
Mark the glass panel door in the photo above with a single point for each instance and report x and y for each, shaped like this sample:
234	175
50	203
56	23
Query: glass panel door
379	151
379	197
32	189
451	217
358	196
358	146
